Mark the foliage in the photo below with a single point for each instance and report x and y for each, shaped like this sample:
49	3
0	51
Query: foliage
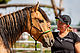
29	45
53	23
79	24
4	1
47	51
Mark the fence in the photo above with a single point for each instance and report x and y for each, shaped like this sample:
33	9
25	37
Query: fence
29	49
41	49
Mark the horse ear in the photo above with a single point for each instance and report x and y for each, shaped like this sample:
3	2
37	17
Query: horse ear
36	7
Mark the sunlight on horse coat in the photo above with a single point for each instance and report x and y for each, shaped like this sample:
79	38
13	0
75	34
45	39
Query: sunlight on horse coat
30	19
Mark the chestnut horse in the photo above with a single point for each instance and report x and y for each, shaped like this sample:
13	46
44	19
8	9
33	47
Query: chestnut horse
30	19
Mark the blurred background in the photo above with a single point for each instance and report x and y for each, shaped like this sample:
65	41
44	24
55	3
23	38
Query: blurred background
26	44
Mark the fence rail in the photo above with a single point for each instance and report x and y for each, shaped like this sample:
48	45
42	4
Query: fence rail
29	49
22	5
26	41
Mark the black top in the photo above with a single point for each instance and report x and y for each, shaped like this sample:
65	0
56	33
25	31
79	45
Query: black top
65	44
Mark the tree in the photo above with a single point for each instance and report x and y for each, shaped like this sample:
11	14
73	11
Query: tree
4	1
53	23
79	23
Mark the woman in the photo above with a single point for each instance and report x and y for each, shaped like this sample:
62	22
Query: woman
66	41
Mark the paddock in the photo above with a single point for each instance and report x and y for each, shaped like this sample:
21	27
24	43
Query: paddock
29	43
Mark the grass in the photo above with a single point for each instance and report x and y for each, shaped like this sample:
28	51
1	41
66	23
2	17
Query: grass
46	51
29	45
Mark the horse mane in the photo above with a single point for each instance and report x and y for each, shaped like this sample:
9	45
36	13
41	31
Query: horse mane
10	26
43	14
13	23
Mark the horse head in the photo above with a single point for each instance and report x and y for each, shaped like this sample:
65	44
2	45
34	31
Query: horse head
38	28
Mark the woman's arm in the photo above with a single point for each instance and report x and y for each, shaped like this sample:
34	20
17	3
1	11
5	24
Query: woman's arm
77	47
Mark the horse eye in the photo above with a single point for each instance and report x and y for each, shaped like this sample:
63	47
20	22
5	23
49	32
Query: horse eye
41	21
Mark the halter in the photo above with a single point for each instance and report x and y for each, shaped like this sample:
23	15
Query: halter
37	29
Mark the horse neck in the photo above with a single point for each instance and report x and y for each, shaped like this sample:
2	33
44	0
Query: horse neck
14	24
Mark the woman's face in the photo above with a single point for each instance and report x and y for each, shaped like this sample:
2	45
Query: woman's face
61	26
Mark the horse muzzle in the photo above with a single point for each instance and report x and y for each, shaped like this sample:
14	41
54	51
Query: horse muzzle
48	42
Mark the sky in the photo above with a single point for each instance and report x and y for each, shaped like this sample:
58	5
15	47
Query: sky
71	8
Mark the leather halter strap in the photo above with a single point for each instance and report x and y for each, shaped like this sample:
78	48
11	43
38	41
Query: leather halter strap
37	29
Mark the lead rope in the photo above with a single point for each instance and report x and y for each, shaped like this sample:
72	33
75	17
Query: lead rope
34	39
31	29
35	45
39	37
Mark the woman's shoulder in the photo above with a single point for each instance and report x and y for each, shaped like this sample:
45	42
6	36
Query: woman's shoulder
75	36
73	33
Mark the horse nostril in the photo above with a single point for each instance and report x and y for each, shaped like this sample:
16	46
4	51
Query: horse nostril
52	41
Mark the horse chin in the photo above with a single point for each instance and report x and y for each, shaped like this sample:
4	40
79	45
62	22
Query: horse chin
45	45
48	43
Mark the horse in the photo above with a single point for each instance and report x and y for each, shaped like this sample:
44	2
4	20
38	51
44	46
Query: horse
30	19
